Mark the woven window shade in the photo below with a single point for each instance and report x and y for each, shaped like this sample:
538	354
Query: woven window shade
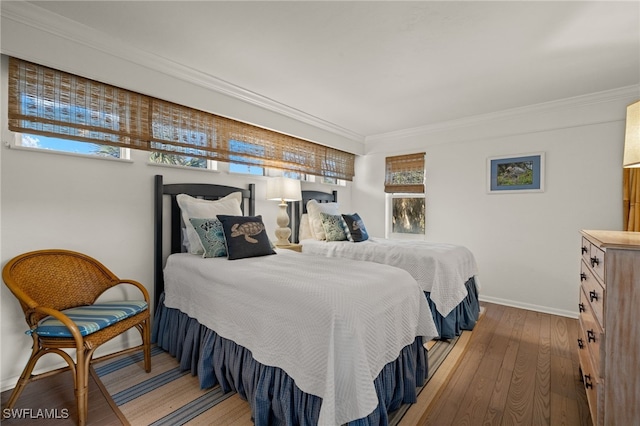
177	129
49	102
405	173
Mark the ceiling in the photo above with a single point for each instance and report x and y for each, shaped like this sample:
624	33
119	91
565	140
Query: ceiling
377	67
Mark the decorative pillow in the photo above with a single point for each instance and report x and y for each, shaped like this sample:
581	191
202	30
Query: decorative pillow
245	236
211	237
313	209
356	231
333	227
305	228
197	208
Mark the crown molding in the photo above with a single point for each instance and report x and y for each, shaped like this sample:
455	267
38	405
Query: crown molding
632	91
44	20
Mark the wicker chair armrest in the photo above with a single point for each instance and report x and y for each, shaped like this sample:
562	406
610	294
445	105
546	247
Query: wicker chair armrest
140	287
73	328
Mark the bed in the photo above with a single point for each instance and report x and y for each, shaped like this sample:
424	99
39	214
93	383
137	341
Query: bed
447	273
325	342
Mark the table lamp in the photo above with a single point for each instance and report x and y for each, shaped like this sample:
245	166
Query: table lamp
283	189
632	137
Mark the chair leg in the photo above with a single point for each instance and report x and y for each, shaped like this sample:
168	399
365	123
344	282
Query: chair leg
146	341
83	362
22	382
25	377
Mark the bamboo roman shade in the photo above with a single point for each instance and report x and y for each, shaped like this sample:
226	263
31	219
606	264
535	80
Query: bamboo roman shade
53	103
47	102
404	173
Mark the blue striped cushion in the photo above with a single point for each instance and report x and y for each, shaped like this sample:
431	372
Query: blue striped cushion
92	318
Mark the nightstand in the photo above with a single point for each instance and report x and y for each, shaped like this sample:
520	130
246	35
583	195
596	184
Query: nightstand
294	247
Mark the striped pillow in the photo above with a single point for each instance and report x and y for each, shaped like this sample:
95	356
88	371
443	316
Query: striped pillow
92	318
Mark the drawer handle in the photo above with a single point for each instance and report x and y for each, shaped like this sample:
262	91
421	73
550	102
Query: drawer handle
584	250
581	307
594	261
587	381
583	276
591	336
581	343
593	295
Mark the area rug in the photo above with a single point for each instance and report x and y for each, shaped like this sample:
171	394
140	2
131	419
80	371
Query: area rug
168	396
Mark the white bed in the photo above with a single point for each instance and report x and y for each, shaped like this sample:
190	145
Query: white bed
440	269
306	340
331	332
447	273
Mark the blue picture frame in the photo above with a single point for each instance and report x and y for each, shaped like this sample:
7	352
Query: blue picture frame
516	173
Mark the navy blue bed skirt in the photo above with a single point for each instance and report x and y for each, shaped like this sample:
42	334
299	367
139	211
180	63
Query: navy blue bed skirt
462	317
273	396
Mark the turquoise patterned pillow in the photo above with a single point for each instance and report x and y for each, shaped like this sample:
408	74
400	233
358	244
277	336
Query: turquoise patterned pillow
211	237
333	227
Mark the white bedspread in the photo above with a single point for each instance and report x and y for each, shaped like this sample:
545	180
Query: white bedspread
330	324
441	269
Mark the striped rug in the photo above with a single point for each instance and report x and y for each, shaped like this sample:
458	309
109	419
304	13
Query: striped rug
168	396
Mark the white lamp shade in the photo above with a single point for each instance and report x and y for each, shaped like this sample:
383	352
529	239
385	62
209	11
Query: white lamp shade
632	137
281	188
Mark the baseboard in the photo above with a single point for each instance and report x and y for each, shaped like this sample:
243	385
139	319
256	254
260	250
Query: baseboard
529	306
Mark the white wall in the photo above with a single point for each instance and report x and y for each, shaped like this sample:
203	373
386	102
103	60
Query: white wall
526	245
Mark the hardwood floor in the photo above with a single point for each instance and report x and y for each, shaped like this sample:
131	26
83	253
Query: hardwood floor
55	394
520	368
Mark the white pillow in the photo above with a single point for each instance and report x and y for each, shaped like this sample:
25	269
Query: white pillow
313	209
196	208
305	228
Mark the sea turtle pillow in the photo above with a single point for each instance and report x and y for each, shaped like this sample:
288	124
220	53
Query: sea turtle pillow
355	230
245	236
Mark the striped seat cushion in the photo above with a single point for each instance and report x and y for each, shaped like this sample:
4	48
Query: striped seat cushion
92	318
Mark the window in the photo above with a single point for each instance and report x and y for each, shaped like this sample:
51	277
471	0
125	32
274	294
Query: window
48	102
404	182
68	146
407	214
404	173
160	157
246	158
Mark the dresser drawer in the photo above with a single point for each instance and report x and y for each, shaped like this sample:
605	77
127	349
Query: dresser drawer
596	261
594	388
586	250
591	336
593	385
594	293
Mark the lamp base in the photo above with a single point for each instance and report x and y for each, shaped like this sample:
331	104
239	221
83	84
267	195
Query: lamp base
282	232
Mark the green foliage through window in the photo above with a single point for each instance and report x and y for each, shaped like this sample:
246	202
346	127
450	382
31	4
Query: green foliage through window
408	215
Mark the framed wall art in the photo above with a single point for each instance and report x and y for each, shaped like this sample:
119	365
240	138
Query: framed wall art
516	173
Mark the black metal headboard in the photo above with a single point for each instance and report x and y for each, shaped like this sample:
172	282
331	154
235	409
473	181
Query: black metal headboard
300	207
198	190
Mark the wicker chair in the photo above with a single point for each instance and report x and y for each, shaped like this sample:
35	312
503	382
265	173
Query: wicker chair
55	289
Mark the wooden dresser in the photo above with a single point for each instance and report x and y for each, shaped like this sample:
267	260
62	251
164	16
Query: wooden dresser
609	332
